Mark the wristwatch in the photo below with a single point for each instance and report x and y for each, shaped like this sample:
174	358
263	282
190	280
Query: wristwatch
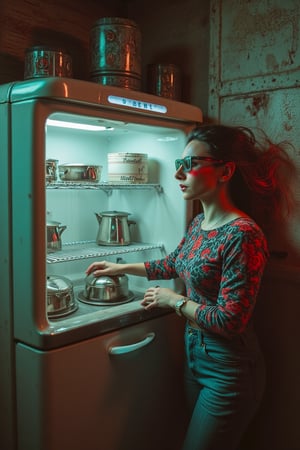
181	302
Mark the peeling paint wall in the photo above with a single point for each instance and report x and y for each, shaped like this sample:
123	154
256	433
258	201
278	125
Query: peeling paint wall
254	80
260	37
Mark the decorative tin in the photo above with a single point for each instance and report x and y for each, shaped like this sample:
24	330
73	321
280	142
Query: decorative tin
123	81
115	53
164	80
43	61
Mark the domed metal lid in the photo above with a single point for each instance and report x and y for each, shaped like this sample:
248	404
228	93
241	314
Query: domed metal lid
104	281
58	284
114	213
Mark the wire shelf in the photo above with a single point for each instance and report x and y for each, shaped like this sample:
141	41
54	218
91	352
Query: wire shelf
73	251
104	186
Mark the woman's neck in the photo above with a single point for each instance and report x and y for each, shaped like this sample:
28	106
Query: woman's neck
216	215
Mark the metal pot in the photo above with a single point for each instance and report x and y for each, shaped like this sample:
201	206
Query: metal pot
51	170
105	289
54	231
60	297
79	172
113	228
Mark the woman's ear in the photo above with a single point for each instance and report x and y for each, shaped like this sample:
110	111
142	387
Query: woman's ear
227	172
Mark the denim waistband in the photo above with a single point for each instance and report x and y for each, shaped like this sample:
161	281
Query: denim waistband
195	330
194	327
248	336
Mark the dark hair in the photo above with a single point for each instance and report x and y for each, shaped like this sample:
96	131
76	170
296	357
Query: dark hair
261	184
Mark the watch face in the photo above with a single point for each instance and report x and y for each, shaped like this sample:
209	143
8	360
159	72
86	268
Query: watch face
178	306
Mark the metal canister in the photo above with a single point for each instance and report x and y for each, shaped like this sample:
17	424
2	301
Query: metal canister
51	170
41	61
115	53
164	80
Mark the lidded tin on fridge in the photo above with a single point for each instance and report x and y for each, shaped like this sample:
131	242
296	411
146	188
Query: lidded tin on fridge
41	61
164	80
115	53
127	168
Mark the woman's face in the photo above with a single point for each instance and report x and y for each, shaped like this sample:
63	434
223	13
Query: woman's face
202	181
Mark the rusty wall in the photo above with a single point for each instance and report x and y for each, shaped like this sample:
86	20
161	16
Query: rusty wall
63	23
254	80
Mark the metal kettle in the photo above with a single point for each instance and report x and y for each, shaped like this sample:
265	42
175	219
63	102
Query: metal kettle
113	228
54	232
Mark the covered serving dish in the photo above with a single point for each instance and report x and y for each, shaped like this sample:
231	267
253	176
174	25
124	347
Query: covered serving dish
60	297
106	290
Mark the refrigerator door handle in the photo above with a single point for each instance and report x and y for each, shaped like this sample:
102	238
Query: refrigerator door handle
120	350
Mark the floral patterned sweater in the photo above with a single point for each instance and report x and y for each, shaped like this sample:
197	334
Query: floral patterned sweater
222	271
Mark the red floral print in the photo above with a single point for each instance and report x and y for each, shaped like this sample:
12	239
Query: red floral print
222	271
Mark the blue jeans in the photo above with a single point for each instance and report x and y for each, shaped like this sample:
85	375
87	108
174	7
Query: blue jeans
225	381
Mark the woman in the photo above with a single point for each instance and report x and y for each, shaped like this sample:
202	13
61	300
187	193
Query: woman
221	260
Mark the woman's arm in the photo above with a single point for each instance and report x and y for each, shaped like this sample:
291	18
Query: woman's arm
100	268
244	258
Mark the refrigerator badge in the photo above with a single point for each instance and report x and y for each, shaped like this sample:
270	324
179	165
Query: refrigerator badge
131	103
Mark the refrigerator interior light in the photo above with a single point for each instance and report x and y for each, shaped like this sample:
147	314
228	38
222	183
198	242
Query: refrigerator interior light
77	126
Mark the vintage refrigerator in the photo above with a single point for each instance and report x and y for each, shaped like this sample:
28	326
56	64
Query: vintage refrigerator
61	388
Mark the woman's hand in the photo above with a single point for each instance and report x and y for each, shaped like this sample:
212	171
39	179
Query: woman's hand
159	297
112	269
100	268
